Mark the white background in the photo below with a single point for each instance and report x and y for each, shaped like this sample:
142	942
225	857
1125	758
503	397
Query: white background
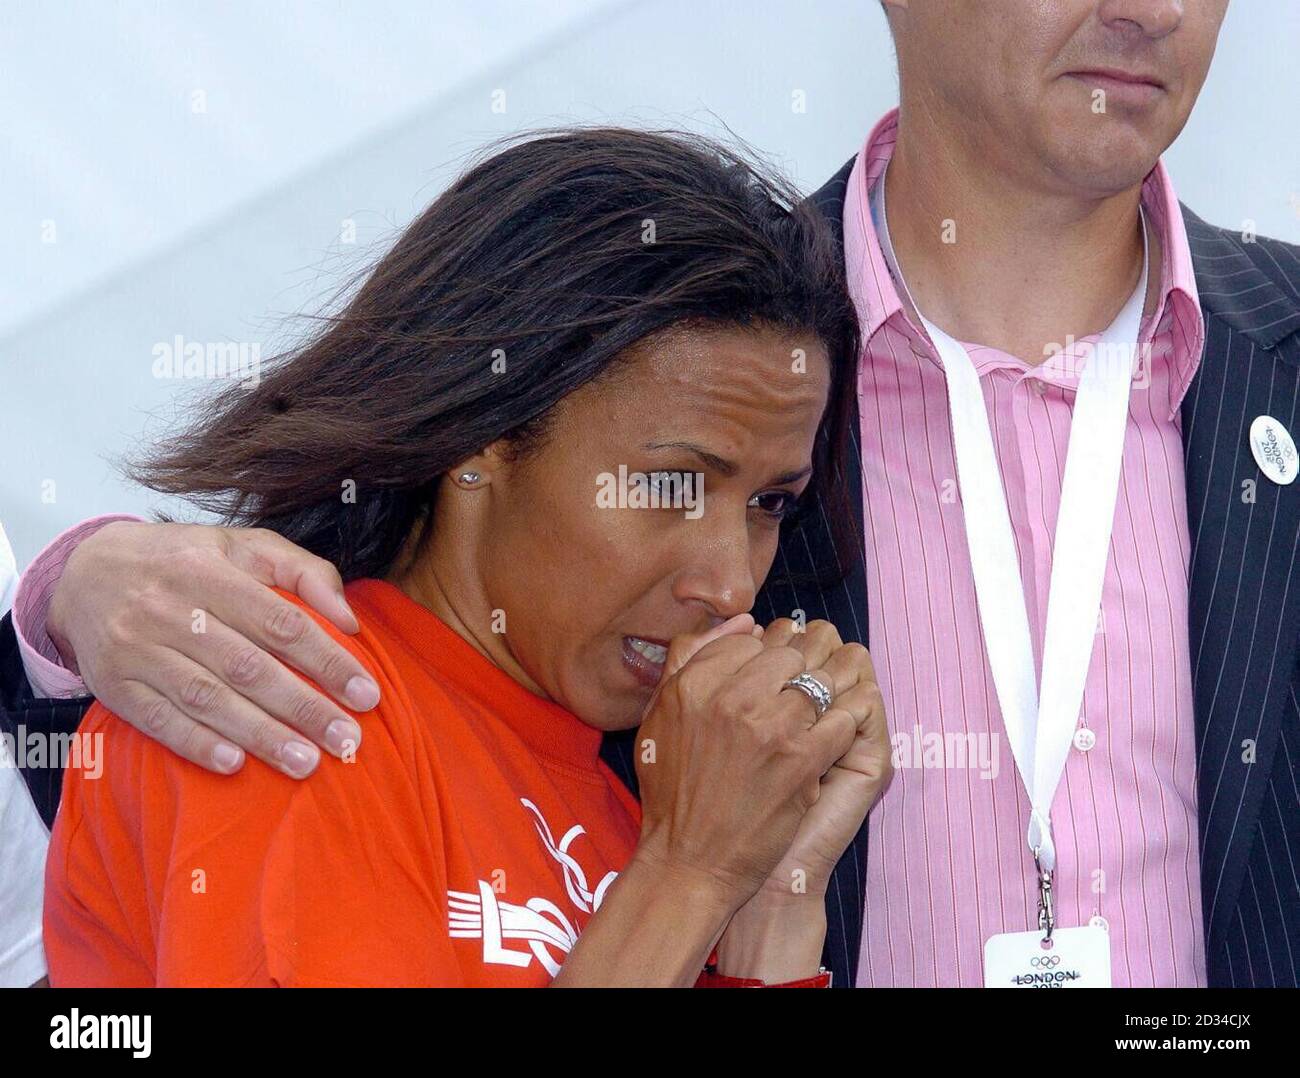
220	225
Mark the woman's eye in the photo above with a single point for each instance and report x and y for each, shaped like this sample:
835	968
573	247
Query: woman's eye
669	489
777	504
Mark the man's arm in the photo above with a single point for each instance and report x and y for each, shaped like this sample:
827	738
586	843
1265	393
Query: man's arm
175	627
49	677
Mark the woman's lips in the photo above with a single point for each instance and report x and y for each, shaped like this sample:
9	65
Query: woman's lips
645	659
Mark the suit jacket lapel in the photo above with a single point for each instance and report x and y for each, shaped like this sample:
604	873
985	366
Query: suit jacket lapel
849	610
1244	616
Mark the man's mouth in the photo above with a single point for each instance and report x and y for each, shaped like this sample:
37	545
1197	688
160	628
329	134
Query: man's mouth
645	658
1115	74
1125	87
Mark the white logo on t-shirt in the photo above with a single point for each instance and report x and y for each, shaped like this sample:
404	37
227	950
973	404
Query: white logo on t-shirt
549	934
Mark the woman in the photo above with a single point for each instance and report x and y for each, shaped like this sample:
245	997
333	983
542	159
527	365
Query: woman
551	443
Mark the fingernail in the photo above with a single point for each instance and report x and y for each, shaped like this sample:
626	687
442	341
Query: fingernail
731	625
228	758
342	735
347	613
299	758
360	693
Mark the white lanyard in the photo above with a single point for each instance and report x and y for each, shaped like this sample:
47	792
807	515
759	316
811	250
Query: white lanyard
1040	726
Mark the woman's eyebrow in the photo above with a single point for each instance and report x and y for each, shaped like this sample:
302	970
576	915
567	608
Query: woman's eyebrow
790	477
723	466
717	463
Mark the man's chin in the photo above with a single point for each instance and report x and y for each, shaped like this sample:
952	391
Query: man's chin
1102	164
1102	153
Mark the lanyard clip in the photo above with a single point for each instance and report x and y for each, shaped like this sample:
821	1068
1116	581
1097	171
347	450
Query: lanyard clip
1046	914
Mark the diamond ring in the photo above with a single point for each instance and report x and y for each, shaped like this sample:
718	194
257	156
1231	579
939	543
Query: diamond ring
818	693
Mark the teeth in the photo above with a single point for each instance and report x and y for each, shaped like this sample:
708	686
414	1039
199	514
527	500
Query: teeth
656	653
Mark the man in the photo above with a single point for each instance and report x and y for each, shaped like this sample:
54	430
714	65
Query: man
1016	200
1033	133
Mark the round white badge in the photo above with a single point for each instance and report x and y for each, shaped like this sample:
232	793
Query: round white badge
1273	450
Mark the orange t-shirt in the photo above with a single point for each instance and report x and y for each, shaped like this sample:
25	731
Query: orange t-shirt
467	843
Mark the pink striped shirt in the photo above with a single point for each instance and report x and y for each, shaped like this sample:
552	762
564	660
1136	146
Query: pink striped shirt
948	864
48	676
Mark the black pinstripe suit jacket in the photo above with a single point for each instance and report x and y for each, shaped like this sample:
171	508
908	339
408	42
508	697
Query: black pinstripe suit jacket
1244	621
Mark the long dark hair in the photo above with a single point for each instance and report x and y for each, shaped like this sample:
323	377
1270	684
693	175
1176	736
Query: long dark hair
523	281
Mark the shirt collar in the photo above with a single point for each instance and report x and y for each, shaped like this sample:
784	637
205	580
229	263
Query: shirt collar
877	300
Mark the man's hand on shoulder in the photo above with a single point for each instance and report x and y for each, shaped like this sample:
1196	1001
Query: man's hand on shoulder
176	628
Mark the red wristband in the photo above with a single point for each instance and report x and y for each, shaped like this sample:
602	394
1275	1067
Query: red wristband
711	978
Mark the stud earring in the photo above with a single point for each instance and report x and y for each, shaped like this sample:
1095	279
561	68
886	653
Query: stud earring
469	477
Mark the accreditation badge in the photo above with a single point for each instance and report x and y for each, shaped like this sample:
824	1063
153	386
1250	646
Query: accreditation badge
1077	958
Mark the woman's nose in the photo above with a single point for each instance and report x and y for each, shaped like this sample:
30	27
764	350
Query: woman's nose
722	580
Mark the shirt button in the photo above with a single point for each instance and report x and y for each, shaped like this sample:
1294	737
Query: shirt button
1084	739
1038	386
